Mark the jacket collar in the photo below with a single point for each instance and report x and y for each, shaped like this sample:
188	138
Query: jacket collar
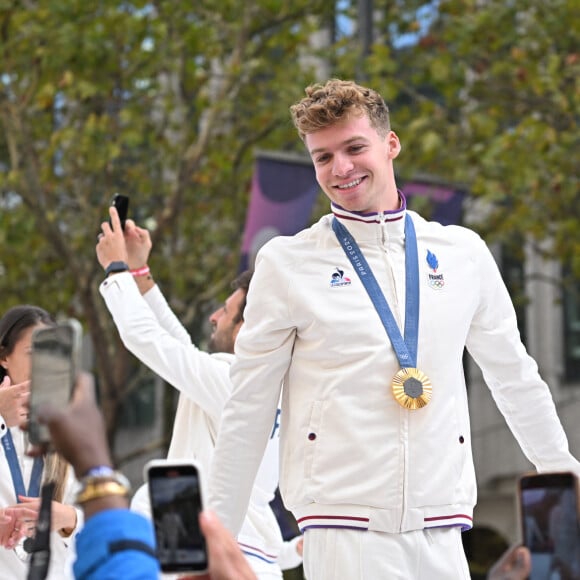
373	226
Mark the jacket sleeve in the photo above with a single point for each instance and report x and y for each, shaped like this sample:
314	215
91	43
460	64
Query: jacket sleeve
289	557
116	544
263	354
165	316
201	377
512	375
69	498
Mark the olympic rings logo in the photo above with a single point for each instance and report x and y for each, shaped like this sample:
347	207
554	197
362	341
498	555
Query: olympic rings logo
437	284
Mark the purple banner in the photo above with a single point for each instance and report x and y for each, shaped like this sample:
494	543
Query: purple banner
284	189
435	201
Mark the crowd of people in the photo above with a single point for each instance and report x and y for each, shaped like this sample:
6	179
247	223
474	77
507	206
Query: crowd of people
335	370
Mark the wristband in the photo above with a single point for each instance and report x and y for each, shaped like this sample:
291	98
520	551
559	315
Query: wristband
141	271
100	471
115	476
116	267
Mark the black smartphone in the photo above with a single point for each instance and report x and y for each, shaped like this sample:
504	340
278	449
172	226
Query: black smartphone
175	493
55	360
121	204
550	523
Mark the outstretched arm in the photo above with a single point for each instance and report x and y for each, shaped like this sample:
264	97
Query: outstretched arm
78	434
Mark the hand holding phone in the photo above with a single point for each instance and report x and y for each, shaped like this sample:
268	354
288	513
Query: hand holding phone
550	522
121	204
55	362
175	492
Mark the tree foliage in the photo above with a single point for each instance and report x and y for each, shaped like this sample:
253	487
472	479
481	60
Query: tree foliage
160	100
488	98
166	101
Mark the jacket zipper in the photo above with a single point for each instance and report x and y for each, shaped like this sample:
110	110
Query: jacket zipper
403	414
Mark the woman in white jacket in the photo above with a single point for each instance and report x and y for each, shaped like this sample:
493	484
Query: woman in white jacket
21	476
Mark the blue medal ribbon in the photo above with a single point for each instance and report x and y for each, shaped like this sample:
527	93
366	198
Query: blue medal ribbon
16	473
405	348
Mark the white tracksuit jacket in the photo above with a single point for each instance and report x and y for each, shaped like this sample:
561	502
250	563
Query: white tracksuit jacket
62	550
151	331
350	455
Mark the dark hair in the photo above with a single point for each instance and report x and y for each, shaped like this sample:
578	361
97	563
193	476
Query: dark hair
14	322
242	282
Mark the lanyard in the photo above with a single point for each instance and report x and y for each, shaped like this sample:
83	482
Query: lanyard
16	473
405	348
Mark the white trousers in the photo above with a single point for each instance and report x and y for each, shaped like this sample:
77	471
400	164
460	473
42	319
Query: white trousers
339	554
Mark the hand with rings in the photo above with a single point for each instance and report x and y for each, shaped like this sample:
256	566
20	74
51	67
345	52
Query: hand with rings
16	524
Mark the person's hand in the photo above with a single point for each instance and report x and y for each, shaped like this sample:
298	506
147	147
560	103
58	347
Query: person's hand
4	527
226	561
78	431
15	524
14	402
138	244
300	546
111	245
63	517
515	564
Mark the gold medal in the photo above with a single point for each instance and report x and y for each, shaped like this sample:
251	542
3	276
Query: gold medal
411	388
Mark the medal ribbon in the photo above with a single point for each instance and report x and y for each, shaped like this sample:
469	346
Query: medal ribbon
405	348
16	473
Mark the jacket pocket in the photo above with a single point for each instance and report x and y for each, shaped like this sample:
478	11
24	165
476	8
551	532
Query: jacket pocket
311	435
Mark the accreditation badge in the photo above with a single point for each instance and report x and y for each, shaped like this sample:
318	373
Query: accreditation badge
411	388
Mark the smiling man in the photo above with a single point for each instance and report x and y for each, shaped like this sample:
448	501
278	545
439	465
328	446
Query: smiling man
361	321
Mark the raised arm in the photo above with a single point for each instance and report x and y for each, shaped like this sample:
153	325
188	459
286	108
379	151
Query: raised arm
150	330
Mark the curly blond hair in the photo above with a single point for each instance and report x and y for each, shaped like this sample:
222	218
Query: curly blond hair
325	105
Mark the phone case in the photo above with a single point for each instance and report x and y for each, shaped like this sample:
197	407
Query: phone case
176	496
55	361
550	523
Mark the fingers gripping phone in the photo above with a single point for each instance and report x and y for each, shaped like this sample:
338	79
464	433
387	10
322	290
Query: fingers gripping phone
55	362
550	522
175	492
121	204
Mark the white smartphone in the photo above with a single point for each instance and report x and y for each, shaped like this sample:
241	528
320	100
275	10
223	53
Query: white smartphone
55	362
176	496
550	523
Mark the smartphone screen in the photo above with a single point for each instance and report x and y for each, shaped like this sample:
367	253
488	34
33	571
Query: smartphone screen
551	525
54	361
121	203
176	501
